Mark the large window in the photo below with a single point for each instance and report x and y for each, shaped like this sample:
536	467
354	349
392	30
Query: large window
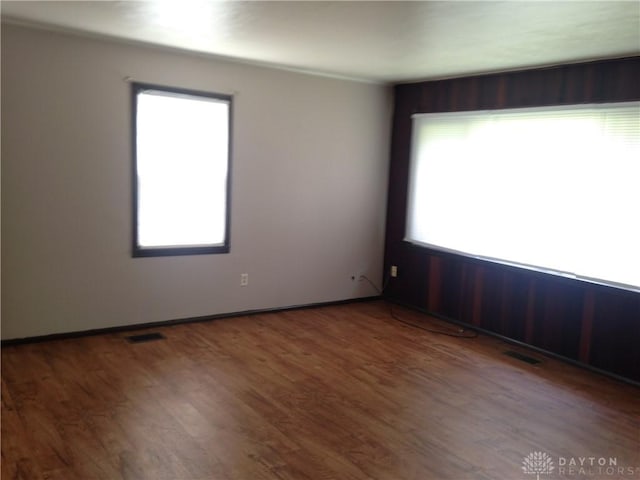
555	189
181	149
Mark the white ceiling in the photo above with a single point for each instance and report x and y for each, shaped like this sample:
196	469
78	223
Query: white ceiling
378	41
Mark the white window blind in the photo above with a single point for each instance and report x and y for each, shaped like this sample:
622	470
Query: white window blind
556	189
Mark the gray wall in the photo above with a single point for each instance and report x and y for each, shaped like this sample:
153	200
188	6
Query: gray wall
308	195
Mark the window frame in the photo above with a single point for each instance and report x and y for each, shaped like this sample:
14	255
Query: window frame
162	251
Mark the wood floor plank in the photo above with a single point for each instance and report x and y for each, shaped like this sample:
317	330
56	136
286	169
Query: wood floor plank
344	392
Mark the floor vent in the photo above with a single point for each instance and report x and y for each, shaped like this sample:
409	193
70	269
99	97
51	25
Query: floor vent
145	337
522	357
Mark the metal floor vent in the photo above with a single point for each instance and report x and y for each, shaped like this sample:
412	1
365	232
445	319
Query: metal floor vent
522	357
145	337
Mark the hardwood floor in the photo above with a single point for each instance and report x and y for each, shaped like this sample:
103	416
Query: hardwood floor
342	392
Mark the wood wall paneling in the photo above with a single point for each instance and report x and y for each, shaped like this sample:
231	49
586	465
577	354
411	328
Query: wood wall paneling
615	337
596	325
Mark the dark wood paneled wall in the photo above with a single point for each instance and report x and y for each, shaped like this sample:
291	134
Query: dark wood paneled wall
592	324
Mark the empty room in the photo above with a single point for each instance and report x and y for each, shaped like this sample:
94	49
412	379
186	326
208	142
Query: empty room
320	240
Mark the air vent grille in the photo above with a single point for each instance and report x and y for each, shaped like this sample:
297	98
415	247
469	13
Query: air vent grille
522	357
145	337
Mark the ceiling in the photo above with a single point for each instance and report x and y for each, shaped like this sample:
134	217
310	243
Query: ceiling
385	42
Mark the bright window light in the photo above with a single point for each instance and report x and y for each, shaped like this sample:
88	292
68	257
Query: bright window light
555	189
182	171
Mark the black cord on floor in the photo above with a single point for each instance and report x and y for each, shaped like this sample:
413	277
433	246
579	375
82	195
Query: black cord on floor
461	333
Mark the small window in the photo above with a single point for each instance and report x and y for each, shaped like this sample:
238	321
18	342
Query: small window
181	153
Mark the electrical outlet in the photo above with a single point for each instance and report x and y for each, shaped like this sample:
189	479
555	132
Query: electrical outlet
244	279
394	271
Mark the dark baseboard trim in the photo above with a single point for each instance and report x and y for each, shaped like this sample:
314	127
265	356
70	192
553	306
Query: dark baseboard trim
179	321
512	341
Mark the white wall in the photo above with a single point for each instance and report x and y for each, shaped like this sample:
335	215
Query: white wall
308	188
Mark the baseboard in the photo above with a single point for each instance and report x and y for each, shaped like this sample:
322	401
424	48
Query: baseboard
166	323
